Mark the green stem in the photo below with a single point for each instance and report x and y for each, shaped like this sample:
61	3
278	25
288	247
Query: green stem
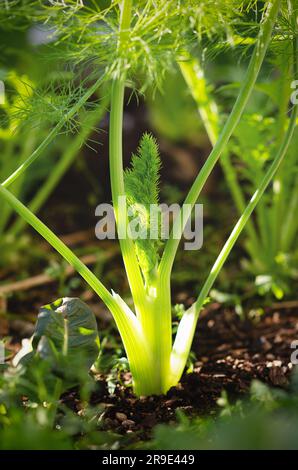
194	77
125	18
162	323
118	193
153	309
117	180
188	322
245	92
279	202
143	305
248	211
290	226
48	235
51	136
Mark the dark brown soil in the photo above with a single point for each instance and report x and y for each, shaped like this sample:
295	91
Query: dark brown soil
230	354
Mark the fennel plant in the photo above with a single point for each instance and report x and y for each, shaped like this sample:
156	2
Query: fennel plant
136	40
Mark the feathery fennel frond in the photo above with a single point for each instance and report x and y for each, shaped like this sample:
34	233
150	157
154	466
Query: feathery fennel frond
50	103
219	17
141	187
87	32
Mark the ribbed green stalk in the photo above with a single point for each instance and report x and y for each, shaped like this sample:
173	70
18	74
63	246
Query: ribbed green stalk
163	325
116	175
118	191
208	110
46	233
153	305
280	192
233	119
145	306
290	224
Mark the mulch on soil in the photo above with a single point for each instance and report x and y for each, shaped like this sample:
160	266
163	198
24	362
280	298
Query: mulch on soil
230	354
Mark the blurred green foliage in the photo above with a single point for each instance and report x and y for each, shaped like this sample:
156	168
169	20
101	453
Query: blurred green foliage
268	420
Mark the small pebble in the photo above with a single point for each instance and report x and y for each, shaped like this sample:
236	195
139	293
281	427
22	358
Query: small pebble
121	417
128	423
277	363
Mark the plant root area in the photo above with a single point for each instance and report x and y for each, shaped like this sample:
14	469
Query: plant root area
230	353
